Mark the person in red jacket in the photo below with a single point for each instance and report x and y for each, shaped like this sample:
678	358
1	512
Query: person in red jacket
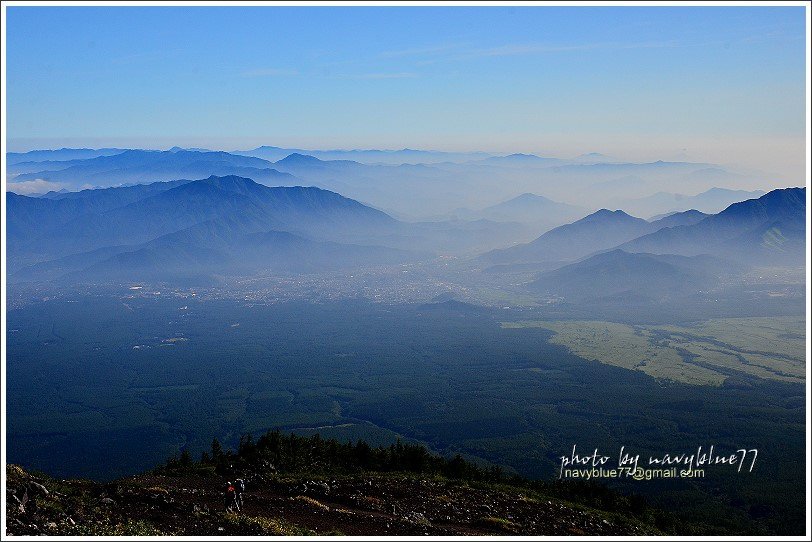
231	498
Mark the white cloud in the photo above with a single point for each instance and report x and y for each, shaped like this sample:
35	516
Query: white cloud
37	186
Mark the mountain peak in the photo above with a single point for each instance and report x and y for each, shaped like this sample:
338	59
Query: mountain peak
774	205
717	190
679	218
299	159
606	214
529	196
740	232
229	181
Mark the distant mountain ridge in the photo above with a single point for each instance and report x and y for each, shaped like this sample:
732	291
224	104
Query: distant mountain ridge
769	228
710	201
367	156
139	166
772	226
600	230
411	184
218	215
526	208
59	155
684	218
521	159
634	275
221	247
27	214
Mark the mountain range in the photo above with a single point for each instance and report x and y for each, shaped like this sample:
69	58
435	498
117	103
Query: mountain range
623	276
140	166
526	208
681	256
211	225
600	230
711	201
195	212
412	185
58	155
769	229
367	156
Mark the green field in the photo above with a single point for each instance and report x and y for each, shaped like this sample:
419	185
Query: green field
704	353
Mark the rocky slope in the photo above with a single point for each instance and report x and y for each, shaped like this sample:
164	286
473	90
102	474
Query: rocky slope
368	503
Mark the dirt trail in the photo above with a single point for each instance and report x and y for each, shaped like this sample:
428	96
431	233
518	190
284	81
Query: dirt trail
377	505
363	504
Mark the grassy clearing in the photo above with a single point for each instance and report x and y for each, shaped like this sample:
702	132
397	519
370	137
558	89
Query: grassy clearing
704	353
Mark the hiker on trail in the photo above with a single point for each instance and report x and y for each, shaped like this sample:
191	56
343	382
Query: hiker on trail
239	487
231	498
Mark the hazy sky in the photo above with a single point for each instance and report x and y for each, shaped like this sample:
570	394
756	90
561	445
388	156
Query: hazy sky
724	84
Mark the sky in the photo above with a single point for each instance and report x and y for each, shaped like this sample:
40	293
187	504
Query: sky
722	84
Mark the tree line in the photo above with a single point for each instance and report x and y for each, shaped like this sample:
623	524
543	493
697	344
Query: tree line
279	453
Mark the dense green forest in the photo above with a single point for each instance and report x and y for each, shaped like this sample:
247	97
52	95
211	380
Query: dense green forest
109	386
